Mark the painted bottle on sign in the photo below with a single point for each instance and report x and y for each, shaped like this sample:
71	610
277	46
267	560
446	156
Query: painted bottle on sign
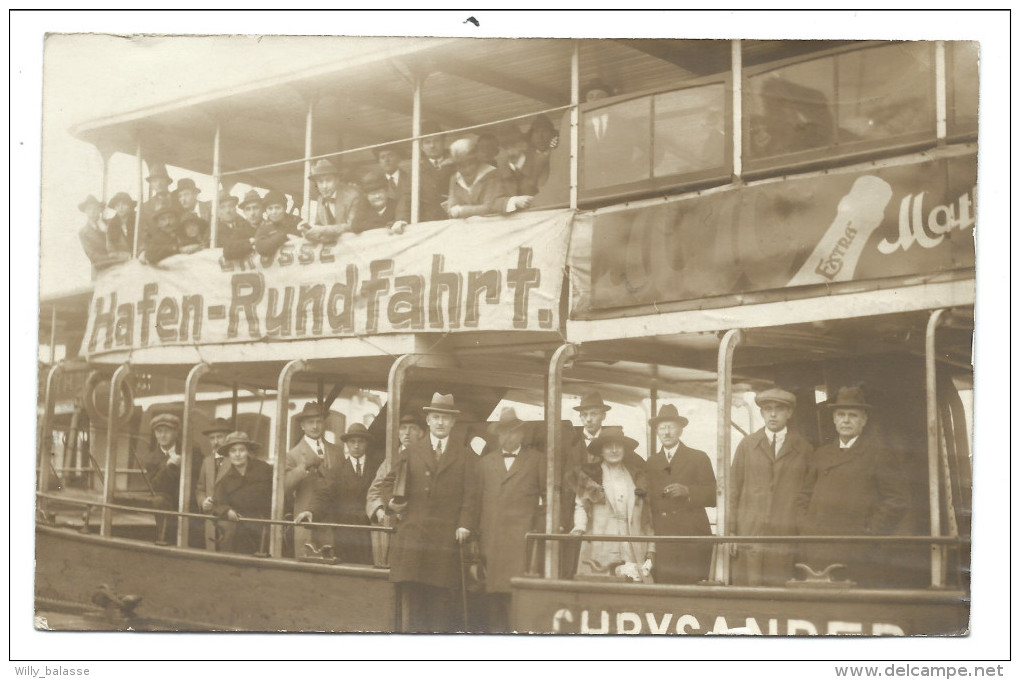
838	251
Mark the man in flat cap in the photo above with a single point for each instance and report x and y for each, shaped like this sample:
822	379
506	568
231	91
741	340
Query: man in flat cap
162	467
512	489
439	508
340	499
681	484
856	488
307	465
340	207
213	468
234	234
769	470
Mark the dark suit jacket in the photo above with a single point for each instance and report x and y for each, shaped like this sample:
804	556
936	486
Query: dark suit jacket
511	506
208	476
165	478
435	186
340	499
441	497
235	238
678	562
249	495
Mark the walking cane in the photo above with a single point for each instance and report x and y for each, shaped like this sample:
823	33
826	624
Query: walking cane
463	589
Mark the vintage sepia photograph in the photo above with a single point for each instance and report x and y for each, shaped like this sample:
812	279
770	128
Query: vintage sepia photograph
659	336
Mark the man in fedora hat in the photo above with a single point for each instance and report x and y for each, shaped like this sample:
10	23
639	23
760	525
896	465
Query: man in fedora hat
234	234
681	484
856	488
440	510
213	468
279	224
307	465
121	227
244	491
476	188
186	194
161	465
341	497
252	208
340	207
379	194
770	468
95	239
512	481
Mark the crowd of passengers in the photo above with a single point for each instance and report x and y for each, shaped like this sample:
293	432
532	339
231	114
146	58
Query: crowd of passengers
476	174
442	496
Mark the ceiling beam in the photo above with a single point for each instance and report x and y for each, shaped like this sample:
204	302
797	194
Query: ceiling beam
502	81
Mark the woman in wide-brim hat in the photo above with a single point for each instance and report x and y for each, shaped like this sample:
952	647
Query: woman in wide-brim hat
611	499
245	491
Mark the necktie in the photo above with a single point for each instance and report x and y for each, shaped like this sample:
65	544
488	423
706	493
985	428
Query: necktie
393	181
774	438
330	218
439	449
318	449
357	467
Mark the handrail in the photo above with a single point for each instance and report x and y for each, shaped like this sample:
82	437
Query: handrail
280	454
184	493
110	477
717	540
724	395
48	399
932	415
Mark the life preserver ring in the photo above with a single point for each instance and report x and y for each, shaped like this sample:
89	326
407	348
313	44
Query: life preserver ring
96	408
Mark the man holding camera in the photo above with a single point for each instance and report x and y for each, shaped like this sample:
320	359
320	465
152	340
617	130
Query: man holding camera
307	465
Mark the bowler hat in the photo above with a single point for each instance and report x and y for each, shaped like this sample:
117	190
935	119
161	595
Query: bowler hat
227	197
668	412
595	84
611	436
238	438
90	201
157	171
121	197
323	167
462	149
311	409
776	395
188	183
850	397
592	400
275	197
441	403
356	430
508	421
251	197
373	181
168	419
217	425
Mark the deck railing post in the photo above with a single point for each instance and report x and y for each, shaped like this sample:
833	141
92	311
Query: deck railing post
554	451
932	413
724	395
187	461
280	454
42	441
110	475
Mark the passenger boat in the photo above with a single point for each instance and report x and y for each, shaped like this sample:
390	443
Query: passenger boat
777	211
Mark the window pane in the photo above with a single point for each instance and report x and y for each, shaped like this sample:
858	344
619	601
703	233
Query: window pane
964	87
690	130
616	142
791	109
885	92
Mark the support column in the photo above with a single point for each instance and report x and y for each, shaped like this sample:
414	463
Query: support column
187	462
941	99
110	474
280	454
306	183
724	396
575	142
214	218
416	151
141	200
737	70
938	577
554	452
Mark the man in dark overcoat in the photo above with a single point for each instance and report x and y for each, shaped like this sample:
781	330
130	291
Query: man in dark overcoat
439	506
856	489
512	487
162	467
213	468
769	470
681	484
341	497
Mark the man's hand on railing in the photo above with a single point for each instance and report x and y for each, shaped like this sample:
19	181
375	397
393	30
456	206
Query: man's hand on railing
398	227
515	203
305	516
233	516
577	531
